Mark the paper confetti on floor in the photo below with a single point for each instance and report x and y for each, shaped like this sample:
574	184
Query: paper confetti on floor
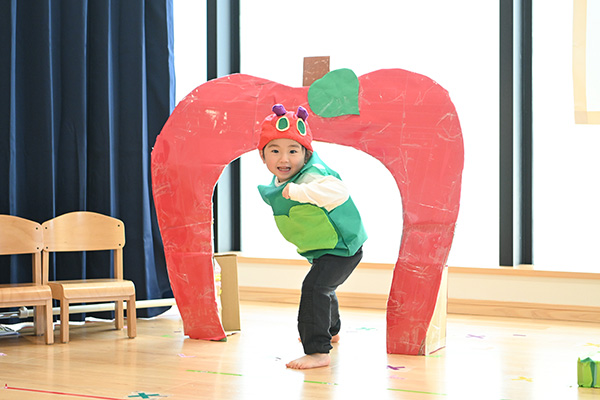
394	368
476	336
143	395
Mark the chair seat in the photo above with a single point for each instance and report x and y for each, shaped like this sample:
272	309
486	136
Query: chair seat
24	293
96	289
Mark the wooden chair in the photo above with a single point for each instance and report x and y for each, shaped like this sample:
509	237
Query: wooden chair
22	236
89	231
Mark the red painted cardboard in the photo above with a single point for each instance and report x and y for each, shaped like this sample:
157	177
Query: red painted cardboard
406	121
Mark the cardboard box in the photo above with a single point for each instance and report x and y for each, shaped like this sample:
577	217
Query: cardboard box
588	371
436	332
230	298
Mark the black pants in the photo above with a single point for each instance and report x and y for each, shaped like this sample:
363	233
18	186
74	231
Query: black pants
318	316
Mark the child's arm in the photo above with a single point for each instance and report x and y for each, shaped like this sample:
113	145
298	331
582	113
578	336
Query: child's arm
324	191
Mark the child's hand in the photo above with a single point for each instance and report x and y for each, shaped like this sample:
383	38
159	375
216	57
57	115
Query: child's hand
286	191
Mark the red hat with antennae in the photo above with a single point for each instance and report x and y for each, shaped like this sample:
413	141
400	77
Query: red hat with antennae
286	125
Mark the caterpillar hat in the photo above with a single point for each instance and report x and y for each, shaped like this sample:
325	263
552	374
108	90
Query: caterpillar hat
286	125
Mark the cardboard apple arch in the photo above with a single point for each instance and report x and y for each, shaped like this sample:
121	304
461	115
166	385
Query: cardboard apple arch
403	119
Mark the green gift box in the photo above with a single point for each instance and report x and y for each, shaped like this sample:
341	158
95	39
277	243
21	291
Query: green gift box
588	371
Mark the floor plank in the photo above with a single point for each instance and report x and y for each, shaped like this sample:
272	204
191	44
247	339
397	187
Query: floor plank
485	358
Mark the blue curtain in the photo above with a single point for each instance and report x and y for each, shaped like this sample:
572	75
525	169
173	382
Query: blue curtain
86	86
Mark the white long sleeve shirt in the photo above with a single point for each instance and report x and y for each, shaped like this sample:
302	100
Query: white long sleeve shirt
323	191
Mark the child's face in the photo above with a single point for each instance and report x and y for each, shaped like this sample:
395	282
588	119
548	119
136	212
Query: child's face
284	158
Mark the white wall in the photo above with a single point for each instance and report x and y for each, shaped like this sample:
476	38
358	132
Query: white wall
593	54
454	43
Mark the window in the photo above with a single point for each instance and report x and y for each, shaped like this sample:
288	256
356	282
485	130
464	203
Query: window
566	165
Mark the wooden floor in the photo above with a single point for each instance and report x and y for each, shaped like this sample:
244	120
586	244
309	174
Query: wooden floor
485	358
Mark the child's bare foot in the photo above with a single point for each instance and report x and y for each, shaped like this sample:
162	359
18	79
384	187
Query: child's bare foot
310	361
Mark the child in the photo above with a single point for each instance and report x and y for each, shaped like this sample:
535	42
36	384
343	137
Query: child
314	211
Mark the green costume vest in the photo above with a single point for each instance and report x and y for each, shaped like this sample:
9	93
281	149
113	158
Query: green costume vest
313	229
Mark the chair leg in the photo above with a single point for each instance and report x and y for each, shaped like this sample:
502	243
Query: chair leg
64	320
39	322
131	318
119	314
49	322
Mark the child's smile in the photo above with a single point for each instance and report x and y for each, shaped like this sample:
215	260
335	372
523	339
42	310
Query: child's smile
284	158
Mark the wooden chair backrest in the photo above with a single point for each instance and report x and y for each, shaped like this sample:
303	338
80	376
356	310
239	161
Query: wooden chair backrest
82	231
86	231
20	236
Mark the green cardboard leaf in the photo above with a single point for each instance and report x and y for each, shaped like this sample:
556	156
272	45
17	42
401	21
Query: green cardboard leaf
335	94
